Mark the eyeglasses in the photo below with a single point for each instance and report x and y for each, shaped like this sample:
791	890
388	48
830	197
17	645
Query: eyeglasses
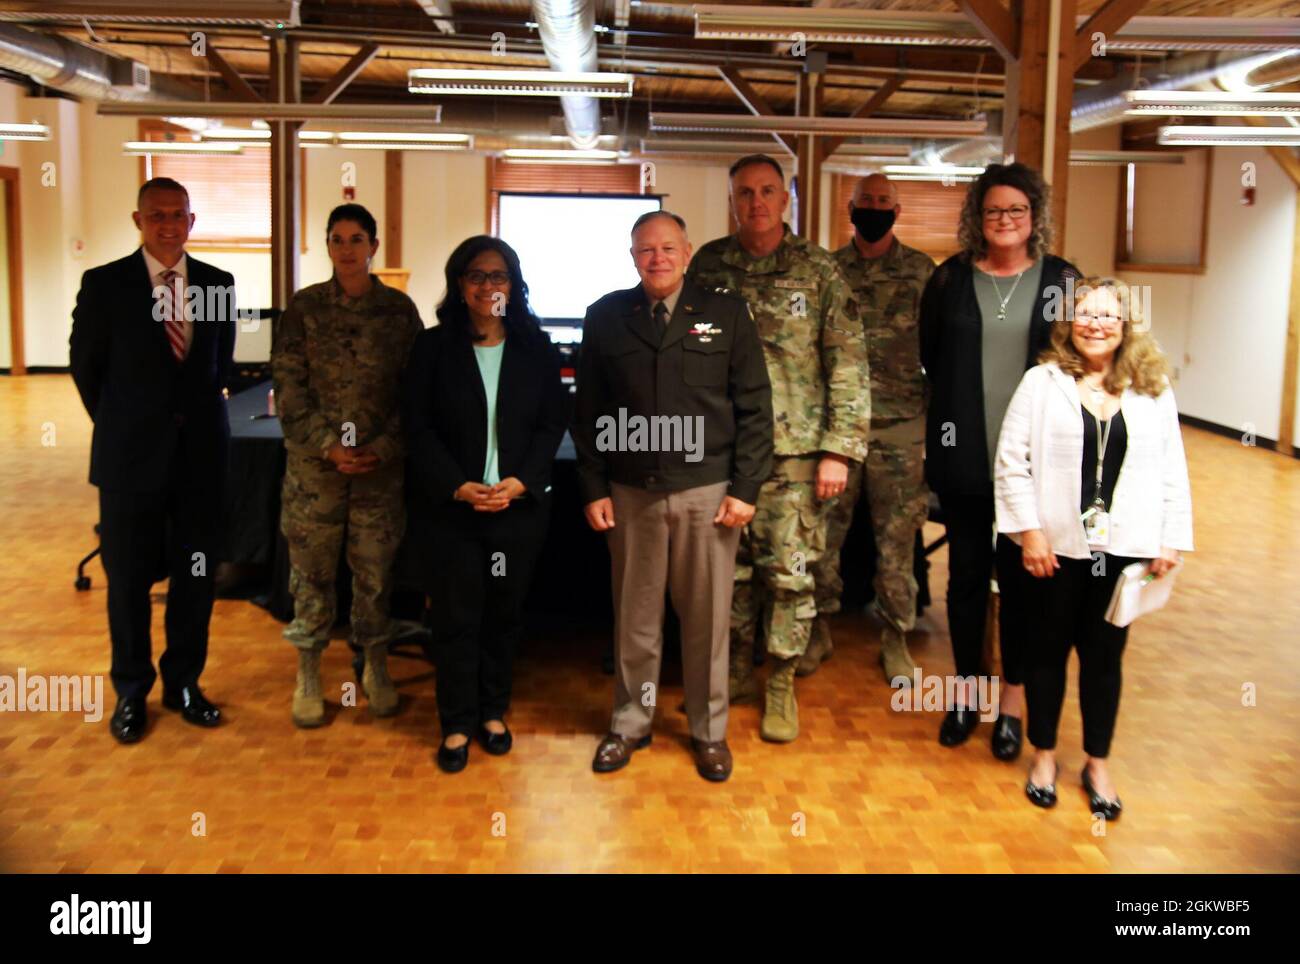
1018	212
1105	321
497	278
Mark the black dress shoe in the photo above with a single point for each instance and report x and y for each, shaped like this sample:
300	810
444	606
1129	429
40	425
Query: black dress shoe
453	761
1044	797
129	720
1007	737
957	726
193	706
1109	809
498	744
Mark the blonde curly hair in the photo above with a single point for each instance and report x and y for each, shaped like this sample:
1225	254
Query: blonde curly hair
1139	364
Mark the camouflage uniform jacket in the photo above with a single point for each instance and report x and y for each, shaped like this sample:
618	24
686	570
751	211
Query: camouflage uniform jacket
888	293
814	346
338	360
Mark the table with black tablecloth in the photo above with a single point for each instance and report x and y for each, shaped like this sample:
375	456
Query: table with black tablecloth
572	572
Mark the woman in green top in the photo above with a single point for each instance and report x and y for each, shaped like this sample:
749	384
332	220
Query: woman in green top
484	412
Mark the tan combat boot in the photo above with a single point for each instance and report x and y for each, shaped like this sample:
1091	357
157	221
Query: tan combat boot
308	697
819	648
894	657
781	714
378	685
741	686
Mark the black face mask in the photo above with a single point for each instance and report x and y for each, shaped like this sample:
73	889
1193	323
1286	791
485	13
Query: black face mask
873	223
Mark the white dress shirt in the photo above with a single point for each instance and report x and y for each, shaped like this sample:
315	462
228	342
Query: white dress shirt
1038	471
156	271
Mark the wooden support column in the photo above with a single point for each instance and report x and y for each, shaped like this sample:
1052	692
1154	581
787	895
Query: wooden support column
286	173
809	160
392	246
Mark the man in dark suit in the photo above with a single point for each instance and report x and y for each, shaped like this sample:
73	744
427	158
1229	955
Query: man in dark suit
153	338
673	429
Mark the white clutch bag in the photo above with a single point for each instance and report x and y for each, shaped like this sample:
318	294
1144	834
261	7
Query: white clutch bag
1137	593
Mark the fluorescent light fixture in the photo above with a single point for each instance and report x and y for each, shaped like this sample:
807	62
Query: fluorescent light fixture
834	25
1210	102
529	83
24	132
402	137
850	126
267	111
404	146
542	155
315	137
1180	135
270	13
942	171
192	148
1119	158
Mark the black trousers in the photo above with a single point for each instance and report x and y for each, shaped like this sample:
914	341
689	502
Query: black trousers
972	561
143	536
1074	602
484	567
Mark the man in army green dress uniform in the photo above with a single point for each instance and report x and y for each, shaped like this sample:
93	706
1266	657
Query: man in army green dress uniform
817	361
887	278
337	357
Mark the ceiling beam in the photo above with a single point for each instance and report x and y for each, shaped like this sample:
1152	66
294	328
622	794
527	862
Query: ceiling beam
829	145
344	75
995	24
1106	21
755	103
237	84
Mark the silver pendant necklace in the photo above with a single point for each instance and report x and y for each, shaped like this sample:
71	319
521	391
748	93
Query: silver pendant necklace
1002	302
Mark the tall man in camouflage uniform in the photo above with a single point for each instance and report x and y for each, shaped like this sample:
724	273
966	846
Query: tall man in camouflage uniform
338	354
817	361
887	278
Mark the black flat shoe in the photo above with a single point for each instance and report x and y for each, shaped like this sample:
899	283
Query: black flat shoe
1109	809
498	744
129	720
1007	737
957	726
192	705
1044	797
453	761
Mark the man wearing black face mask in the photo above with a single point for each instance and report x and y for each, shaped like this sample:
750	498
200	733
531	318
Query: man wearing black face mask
887	278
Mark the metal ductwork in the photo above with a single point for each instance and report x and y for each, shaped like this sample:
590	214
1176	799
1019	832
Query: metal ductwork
1105	104
568	32
76	69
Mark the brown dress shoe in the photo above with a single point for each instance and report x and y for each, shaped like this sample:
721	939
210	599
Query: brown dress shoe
712	760
614	752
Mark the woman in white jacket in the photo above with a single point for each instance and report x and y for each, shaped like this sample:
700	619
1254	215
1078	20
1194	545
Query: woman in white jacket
1090	477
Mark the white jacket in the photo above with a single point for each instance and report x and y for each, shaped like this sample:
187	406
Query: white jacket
1037	476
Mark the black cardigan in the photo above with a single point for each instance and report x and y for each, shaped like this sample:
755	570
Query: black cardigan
444	412
952	353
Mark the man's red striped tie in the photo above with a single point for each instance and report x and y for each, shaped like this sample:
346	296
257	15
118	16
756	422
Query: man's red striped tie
174	320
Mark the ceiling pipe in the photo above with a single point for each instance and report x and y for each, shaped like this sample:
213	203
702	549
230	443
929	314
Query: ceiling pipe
73	68
568	32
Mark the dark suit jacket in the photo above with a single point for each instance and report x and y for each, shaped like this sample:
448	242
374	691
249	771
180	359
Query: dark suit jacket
709	363
151	412
444	415
952	334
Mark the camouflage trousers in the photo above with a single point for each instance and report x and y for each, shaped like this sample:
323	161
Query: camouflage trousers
320	508
897	495
779	551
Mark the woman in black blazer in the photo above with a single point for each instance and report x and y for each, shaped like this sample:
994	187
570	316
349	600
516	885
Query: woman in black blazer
485	411
985	315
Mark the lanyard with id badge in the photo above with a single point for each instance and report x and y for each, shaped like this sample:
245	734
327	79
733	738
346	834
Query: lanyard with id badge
1096	519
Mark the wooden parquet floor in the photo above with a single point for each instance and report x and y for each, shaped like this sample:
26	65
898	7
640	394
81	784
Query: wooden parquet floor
1208	783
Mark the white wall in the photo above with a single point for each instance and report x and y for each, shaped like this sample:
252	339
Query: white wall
1091	206
1225	330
